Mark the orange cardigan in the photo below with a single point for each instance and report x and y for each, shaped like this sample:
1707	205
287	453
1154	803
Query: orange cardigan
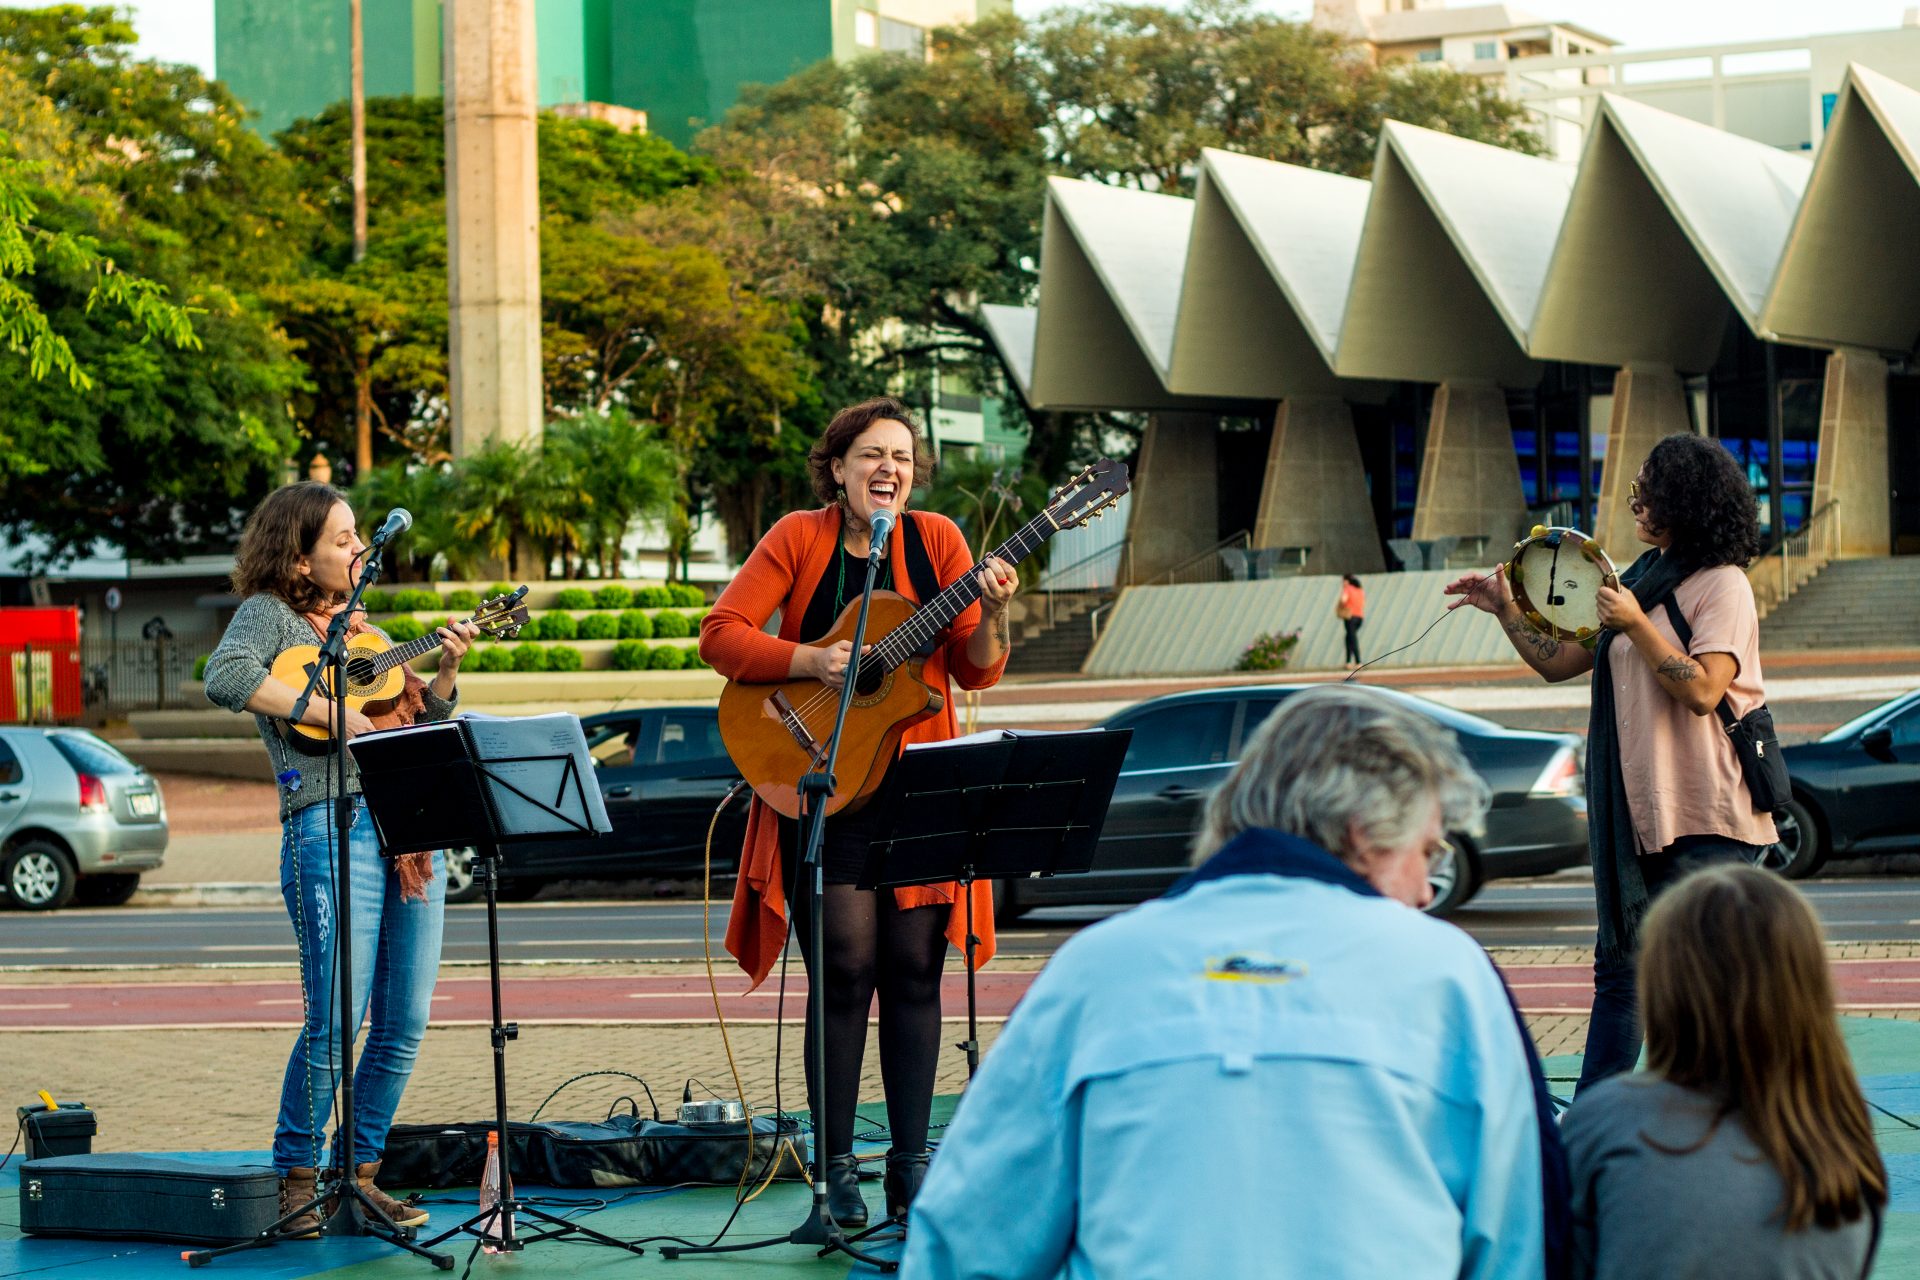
781	574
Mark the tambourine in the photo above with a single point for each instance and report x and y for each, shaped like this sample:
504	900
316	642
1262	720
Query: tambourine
1556	575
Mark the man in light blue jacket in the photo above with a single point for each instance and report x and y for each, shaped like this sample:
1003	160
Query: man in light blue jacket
1279	1069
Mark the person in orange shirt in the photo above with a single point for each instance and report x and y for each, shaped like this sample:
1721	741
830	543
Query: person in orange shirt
810	568
1351	610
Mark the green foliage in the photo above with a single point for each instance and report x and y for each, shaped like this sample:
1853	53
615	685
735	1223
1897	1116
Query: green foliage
653	597
686	595
1269	651
530	629
416	600
488	657
694	660
563	657
635	625
402	628
669	625
499	589
630	655
465	599
600	626
988	501
377	600
558	626
200	666
612	596
666	657
573	598
529	657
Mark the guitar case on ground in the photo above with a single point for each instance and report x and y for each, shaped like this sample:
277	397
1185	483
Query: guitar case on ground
113	1196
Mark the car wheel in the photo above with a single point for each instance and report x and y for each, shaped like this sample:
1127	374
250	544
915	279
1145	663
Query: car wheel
1007	907
1456	880
39	874
462	884
1801	849
109	890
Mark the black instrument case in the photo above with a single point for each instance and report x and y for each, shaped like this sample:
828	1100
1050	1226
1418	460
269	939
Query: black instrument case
116	1197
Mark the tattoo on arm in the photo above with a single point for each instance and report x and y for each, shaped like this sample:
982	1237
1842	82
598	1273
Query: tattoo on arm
1675	667
1000	631
1544	647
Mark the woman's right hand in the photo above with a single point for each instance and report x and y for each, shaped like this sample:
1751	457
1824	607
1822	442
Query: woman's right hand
830	663
357	722
1487	591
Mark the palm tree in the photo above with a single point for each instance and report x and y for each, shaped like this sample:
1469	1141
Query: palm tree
621	473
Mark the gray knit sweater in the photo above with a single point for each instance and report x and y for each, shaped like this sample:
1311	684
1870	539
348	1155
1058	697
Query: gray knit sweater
262	629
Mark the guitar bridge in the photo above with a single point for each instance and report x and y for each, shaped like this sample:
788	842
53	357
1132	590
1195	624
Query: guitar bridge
782	710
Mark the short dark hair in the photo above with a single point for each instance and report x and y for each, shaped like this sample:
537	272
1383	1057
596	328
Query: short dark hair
847	426
284	527
1695	490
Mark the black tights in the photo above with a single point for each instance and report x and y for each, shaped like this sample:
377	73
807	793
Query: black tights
873	945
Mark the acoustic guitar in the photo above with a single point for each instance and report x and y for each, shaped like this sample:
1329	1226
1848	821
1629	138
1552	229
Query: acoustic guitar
777	732
374	678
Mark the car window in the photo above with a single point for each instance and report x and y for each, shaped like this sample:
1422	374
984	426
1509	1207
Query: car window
10	771
1258	709
1867	719
1906	730
88	754
688	735
1180	737
611	743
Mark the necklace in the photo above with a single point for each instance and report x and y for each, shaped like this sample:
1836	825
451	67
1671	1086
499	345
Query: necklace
885	582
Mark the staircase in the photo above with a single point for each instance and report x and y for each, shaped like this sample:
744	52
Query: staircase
1850	604
1060	644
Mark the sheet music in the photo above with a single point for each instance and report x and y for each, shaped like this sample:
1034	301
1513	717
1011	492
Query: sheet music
558	736
993	735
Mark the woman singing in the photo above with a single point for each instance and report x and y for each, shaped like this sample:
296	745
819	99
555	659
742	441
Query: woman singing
296	567
809	568
1665	792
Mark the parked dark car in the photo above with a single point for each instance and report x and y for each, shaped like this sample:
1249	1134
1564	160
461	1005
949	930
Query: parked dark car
1856	791
661	771
1185	744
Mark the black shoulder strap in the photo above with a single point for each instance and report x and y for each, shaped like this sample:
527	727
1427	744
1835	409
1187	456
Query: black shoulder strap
1685	632
926	583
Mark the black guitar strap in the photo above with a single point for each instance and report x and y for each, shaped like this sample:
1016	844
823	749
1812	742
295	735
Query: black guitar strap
926	583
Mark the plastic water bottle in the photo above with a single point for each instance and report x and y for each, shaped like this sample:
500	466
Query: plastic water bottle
493	1228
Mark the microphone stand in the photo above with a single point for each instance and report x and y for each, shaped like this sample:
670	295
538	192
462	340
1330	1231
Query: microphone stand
354	1212
816	788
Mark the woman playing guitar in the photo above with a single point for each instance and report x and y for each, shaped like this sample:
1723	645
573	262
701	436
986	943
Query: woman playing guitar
296	568
809	568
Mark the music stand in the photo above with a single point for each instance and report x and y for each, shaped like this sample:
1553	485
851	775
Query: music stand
1012	806
485	781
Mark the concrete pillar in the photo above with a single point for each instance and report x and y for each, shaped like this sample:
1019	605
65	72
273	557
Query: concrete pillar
1315	493
1176	504
493	223
1469	474
1649	403
1852	465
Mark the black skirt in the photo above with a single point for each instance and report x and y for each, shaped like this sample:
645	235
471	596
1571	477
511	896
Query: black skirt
844	851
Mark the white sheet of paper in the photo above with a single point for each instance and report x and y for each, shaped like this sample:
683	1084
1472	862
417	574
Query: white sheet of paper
557	736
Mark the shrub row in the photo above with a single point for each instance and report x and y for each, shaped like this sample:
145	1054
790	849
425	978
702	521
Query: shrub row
631	624
628	655
681	595
636	655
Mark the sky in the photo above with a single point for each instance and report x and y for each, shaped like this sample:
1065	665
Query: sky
182	30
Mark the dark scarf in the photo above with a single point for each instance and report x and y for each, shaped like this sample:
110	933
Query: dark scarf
1619	888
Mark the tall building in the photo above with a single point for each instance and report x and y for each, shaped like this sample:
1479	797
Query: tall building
681	62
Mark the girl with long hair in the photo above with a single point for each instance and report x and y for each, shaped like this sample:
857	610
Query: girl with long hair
1744	1149
296	565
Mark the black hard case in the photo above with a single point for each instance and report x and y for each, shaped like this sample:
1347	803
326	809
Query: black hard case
111	1196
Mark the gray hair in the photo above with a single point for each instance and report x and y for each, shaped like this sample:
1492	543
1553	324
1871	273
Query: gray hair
1342	759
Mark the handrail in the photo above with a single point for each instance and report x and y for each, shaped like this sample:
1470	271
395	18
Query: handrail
1210	555
1061	571
1774	574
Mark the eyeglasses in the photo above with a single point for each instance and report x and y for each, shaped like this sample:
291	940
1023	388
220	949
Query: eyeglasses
1634	498
1439	856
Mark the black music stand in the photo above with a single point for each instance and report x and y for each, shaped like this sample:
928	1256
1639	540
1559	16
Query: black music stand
1017	805
485	782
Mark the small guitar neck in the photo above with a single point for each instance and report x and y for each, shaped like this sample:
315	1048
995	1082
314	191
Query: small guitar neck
402	653
934	616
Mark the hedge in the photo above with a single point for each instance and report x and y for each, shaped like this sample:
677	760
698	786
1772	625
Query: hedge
666	657
636	625
563	657
415	601
686	595
630	655
530	629
402	628
653	597
574	598
488	657
529	657
600	626
200	666
377	601
500	589
669	625
558	626
612	596
465	599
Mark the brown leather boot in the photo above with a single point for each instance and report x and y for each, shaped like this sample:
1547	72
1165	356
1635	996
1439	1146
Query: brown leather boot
402	1213
296	1189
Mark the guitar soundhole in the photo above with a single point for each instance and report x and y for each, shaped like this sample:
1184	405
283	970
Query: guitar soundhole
360	675
870	681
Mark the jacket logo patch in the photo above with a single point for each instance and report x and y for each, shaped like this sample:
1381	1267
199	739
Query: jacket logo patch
1252	966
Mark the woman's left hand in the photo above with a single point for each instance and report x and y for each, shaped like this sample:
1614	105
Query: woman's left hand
455	639
1619	610
998	582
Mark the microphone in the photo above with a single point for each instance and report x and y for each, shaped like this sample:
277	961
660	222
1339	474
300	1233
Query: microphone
398	521
881	524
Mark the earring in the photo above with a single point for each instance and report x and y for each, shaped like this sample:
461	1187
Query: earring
840	495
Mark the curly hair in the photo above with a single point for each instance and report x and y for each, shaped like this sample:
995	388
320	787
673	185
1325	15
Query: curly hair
1695	490
284	527
846	427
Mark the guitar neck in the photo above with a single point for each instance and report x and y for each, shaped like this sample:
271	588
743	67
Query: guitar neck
407	652
936	614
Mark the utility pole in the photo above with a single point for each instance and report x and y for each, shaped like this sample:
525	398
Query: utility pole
362	381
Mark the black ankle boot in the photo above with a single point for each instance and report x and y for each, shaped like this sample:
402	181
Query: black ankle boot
843	1191
905	1172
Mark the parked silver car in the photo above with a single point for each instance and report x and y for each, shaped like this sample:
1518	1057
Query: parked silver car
78	820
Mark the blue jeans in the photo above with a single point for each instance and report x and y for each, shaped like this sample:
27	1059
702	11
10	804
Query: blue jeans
1613	1034
396	958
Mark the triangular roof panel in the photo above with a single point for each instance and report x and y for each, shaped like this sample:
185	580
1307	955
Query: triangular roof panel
1848	274
1012	330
